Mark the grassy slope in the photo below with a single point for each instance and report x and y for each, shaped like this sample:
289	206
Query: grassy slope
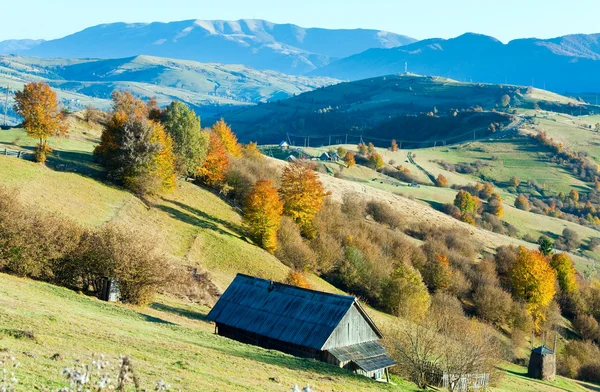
196	227
515	158
169	342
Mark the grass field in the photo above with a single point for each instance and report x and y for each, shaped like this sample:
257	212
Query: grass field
171	341
168	341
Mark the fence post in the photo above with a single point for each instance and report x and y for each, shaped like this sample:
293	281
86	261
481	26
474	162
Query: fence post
19	154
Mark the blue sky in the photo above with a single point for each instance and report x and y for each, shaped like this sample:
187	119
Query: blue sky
504	20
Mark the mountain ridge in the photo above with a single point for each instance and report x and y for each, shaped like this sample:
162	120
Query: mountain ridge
257	43
568	63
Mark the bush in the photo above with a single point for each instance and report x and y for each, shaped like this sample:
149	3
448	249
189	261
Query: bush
405	294
493	304
384	213
293	250
128	255
587	326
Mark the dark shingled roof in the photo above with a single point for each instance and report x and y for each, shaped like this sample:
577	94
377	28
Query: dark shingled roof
282	312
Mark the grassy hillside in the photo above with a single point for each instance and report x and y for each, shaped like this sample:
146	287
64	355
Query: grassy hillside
417	110
209	88
168	341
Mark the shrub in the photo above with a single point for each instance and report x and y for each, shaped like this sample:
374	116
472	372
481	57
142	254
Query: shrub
493	304
522	203
293	250
405	294
298	279
128	255
587	326
384	213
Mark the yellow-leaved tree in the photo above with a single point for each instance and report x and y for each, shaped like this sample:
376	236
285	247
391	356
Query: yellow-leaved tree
565	272
532	280
302	194
42	119
262	214
228	138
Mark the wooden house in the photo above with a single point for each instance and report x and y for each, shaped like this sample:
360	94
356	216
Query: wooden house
306	323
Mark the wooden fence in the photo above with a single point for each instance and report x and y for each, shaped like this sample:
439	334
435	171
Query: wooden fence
17	153
466	382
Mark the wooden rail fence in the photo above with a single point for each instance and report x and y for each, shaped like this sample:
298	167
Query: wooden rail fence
16	153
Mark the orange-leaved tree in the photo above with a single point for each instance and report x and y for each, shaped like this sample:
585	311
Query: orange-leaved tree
349	159
42	119
376	161
135	150
215	166
495	206
228	138
298	279
532	279
441	181
262	214
565	272
302	194
394	146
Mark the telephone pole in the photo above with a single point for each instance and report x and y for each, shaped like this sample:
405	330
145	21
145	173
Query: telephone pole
6	106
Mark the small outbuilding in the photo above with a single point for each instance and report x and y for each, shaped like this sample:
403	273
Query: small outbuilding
306	323
542	364
284	145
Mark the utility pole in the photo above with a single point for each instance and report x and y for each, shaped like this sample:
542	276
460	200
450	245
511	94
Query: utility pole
347	134
329	140
6	106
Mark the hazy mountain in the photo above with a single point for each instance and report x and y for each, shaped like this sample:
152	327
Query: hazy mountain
210	88
18	45
570	63
256	43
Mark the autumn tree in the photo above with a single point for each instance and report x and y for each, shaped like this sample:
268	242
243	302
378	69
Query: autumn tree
349	159
298	279
394	146
505	100
522	203
362	149
215	166
228	138
135	150
262	214
532	281
514	182
495	205
190	144
565	272
371	148
574	195
467	203
341	151
405	294
303	195
441	181
251	151
42	118
376	161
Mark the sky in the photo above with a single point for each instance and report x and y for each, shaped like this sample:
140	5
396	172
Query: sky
505	20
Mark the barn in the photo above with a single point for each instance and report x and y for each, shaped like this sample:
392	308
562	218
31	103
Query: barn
306	323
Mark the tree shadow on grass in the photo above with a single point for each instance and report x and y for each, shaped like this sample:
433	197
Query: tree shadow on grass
207	217
156	320
179	311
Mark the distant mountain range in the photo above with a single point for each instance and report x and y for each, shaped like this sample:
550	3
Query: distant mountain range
210	89
565	64
258	44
